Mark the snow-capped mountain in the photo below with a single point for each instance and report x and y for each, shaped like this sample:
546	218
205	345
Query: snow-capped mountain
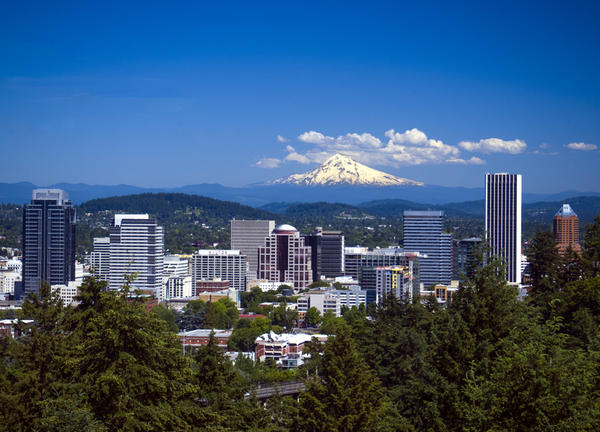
343	170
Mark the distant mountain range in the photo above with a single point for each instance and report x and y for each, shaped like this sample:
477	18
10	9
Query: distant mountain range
261	195
339	179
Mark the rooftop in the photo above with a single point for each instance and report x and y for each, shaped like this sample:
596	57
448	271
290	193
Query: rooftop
565	211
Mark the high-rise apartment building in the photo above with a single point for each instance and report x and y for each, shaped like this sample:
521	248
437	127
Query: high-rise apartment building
566	229
137	247
48	239
284	257
424	233
503	220
218	264
100	258
327	253
247	236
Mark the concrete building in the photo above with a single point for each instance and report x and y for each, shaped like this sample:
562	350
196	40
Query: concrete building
503	220
48	239
201	337
566	230
247	236
67	292
175	266
8	279
325	300
424	233
212	285
365	263
137	247
100	258
352	260
442	293
286	349
178	287
394	280
211	264
327	253
284	257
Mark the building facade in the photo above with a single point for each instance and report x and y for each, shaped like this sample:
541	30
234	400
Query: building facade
249	235
48	239
100	258
503	221
137	248
424	233
393	281
566	230
284	257
327	253
225	265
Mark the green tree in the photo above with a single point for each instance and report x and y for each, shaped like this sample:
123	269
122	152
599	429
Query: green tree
544	268
591	247
313	317
346	395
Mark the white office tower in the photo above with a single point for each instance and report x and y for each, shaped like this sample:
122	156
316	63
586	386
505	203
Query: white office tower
100	258
424	233
247	236
225	265
503	220
136	247
175	266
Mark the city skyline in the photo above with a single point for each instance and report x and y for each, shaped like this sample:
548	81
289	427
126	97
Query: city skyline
436	94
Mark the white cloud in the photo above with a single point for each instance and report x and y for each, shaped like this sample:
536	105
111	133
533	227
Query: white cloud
494	145
282	139
268	163
581	146
293	155
411	147
473	161
544	146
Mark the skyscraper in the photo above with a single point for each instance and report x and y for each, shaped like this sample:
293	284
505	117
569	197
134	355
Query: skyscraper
48	239
247	236
100	258
284	257
566	229
327	253
503	220
136	247
424	233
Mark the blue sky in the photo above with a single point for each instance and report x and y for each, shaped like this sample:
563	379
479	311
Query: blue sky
157	94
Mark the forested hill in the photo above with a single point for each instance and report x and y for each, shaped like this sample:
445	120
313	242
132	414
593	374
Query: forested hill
165	205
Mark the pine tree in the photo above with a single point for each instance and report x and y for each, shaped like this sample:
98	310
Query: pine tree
345	396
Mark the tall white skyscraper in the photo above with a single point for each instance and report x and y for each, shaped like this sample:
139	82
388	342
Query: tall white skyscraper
136	246
503	220
247	236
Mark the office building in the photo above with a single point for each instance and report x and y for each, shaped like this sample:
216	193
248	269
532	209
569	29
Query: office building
566	229
137	248
394	280
503	221
100	258
424	233
464	257
175	266
327	253
8	280
249	235
225	265
331	300
48	239
178	287
284	257
352	260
